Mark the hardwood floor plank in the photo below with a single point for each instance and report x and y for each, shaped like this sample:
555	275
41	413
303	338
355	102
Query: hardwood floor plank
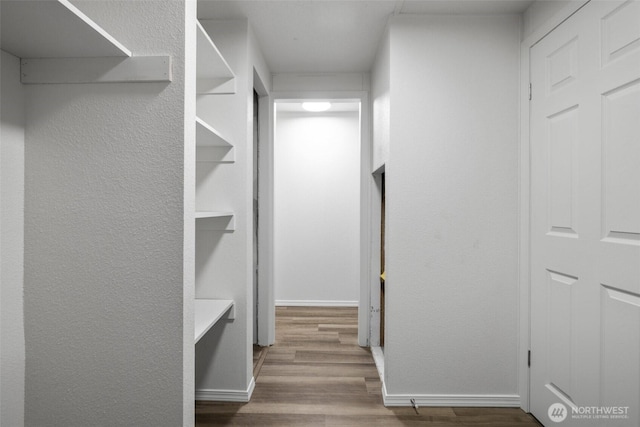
332	357
348	338
300	338
316	321
312	381
276	420
318	345
281	357
319	370
353	329
317	375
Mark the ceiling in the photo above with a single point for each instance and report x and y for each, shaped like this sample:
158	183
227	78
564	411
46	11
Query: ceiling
333	36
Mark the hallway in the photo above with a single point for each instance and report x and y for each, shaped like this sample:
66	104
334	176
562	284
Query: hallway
317	375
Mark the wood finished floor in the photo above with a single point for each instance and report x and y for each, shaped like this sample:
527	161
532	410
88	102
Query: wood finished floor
317	375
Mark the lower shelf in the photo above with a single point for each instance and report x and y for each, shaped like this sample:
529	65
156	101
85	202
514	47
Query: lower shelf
208	312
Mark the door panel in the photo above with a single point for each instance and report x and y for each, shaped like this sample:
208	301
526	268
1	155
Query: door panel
585	217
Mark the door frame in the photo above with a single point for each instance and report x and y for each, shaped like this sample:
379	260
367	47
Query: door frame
266	294
264	307
524	228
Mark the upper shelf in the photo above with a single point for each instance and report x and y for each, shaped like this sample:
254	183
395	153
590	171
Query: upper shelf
213	73
207	313
54	29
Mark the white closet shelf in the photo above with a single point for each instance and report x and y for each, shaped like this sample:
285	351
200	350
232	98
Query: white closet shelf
212	214
224	222
207	136
54	29
207	314
213	73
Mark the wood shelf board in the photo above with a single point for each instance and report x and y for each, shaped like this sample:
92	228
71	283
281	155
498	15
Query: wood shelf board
210	64
54	29
208	136
207	313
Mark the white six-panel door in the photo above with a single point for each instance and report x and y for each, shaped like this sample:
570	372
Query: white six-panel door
585	218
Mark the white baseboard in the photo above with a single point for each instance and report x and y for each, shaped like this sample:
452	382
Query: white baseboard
471	400
315	303
227	395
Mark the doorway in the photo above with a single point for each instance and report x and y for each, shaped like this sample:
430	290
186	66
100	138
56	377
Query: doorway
317	168
267	227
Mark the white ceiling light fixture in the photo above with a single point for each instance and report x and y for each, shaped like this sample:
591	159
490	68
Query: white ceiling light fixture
316	107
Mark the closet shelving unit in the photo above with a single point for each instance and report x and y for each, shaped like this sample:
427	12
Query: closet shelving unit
213	76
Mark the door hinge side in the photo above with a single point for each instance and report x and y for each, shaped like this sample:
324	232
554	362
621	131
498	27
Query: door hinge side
529	358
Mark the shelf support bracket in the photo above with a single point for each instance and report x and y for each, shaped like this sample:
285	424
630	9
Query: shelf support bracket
136	69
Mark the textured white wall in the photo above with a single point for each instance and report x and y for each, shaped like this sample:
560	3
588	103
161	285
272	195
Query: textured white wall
104	223
317	212
188	253
451	308
12	350
380	97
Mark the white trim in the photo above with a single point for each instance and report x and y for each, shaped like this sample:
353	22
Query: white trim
373	287
266	290
471	400
315	303
227	395
524	318
366	208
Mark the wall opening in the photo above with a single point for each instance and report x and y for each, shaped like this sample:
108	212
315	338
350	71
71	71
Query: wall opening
317	161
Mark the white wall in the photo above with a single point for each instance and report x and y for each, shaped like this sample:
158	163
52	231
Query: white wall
12	350
451	294
541	11
188	234
317	208
380	97
104	220
320	83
